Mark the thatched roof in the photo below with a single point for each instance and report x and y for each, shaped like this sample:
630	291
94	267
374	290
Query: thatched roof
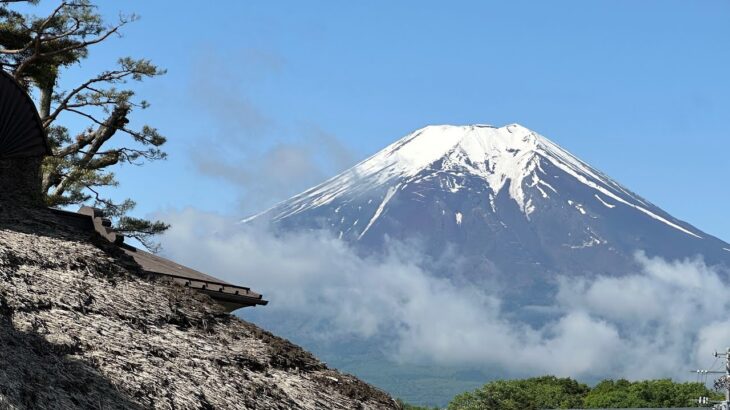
80	327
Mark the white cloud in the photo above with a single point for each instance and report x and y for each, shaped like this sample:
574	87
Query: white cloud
658	322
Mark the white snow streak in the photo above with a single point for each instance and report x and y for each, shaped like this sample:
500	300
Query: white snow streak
604	202
386	199
543	183
608	193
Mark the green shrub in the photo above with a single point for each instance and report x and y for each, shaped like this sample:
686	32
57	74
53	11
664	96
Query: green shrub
647	393
529	394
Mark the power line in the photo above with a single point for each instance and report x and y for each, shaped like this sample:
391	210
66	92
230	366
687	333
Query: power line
721	383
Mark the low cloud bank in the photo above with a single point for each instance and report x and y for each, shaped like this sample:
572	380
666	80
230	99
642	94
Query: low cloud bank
661	321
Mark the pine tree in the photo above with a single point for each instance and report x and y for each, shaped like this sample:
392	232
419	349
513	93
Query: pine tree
37	50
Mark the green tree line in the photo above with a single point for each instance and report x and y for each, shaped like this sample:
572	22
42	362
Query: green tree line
550	392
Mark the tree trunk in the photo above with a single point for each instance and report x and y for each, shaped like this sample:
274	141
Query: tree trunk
46	91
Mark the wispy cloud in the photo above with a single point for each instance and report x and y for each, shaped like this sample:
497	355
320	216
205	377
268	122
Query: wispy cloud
246	147
279	171
657	322
221	90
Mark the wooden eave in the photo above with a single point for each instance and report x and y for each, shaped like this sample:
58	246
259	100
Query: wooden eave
230	296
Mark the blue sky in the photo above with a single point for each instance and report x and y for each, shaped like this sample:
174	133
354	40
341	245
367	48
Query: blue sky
264	98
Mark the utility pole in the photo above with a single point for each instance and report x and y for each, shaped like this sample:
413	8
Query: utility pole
721	382
726	404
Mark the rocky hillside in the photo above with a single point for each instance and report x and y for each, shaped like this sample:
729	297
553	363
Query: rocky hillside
81	327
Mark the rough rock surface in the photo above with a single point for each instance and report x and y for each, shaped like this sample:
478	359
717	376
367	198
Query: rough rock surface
81	327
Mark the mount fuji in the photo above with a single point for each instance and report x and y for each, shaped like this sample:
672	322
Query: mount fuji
512	204
496	211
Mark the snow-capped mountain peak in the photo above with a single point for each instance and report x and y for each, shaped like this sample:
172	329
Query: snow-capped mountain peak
462	144
496	154
503	196
511	158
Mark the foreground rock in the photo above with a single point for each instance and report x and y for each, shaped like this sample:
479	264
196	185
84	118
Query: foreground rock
80	327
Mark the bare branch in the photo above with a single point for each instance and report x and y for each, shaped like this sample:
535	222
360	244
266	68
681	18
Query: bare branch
50	18
64	34
38	41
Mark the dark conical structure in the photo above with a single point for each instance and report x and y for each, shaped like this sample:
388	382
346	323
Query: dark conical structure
23	144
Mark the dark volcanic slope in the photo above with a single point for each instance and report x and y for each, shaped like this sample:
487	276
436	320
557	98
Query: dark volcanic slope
79	328
511	203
